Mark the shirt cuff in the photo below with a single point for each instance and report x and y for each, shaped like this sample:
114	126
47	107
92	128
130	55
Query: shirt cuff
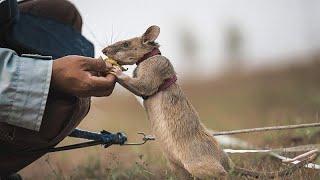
32	86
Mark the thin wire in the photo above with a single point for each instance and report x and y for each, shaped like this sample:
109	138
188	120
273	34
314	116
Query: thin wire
272	128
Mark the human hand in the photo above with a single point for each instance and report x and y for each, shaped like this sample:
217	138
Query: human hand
82	76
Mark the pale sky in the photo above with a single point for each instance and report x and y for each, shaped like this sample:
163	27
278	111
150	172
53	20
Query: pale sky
270	28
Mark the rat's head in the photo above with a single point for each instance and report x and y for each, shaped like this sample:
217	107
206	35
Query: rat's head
129	51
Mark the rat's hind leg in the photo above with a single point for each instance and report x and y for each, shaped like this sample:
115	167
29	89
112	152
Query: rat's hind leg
179	171
206	168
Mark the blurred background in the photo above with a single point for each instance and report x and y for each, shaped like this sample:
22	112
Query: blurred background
241	63
211	34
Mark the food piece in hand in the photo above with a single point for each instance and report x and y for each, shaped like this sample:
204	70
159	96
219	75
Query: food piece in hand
114	63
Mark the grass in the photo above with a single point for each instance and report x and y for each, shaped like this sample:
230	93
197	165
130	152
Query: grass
289	95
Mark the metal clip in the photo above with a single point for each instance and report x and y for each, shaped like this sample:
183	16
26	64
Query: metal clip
145	139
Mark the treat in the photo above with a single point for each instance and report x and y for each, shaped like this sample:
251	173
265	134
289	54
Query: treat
114	63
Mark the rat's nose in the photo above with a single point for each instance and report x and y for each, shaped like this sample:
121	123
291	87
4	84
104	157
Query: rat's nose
106	51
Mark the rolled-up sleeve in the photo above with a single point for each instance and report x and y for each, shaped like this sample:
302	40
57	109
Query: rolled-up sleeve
24	87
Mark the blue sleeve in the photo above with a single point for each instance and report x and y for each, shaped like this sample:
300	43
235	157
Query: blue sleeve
24	86
8	11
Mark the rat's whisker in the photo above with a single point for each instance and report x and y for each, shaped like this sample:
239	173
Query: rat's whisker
111	34
106	43
93	34
116	36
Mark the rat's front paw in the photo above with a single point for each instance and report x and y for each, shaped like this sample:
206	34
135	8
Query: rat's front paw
116	70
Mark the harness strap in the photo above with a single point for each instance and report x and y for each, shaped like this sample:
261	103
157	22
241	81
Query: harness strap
154	52
165	85
167	82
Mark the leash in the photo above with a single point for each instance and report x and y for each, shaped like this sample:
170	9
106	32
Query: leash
104	138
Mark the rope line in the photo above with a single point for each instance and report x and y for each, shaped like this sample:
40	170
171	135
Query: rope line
300	148
271	128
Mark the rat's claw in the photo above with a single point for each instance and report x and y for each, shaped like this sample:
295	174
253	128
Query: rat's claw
111	72
117	68
116	71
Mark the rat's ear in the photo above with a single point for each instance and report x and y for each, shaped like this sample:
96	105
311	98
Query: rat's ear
151	34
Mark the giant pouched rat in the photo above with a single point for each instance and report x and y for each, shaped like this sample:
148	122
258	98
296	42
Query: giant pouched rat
190	149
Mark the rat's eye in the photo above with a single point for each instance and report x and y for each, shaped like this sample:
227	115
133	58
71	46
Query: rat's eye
126	45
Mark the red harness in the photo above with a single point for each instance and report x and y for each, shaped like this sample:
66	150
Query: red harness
154	52
167	82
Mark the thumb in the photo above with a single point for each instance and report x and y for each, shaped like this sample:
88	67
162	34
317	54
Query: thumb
97	65
108	65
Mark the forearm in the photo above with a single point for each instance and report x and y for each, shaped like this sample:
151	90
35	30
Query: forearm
24	86
138	86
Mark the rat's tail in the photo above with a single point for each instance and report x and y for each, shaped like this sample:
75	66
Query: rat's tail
281	173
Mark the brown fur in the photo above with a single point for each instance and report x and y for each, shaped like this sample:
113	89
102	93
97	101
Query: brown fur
190	149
